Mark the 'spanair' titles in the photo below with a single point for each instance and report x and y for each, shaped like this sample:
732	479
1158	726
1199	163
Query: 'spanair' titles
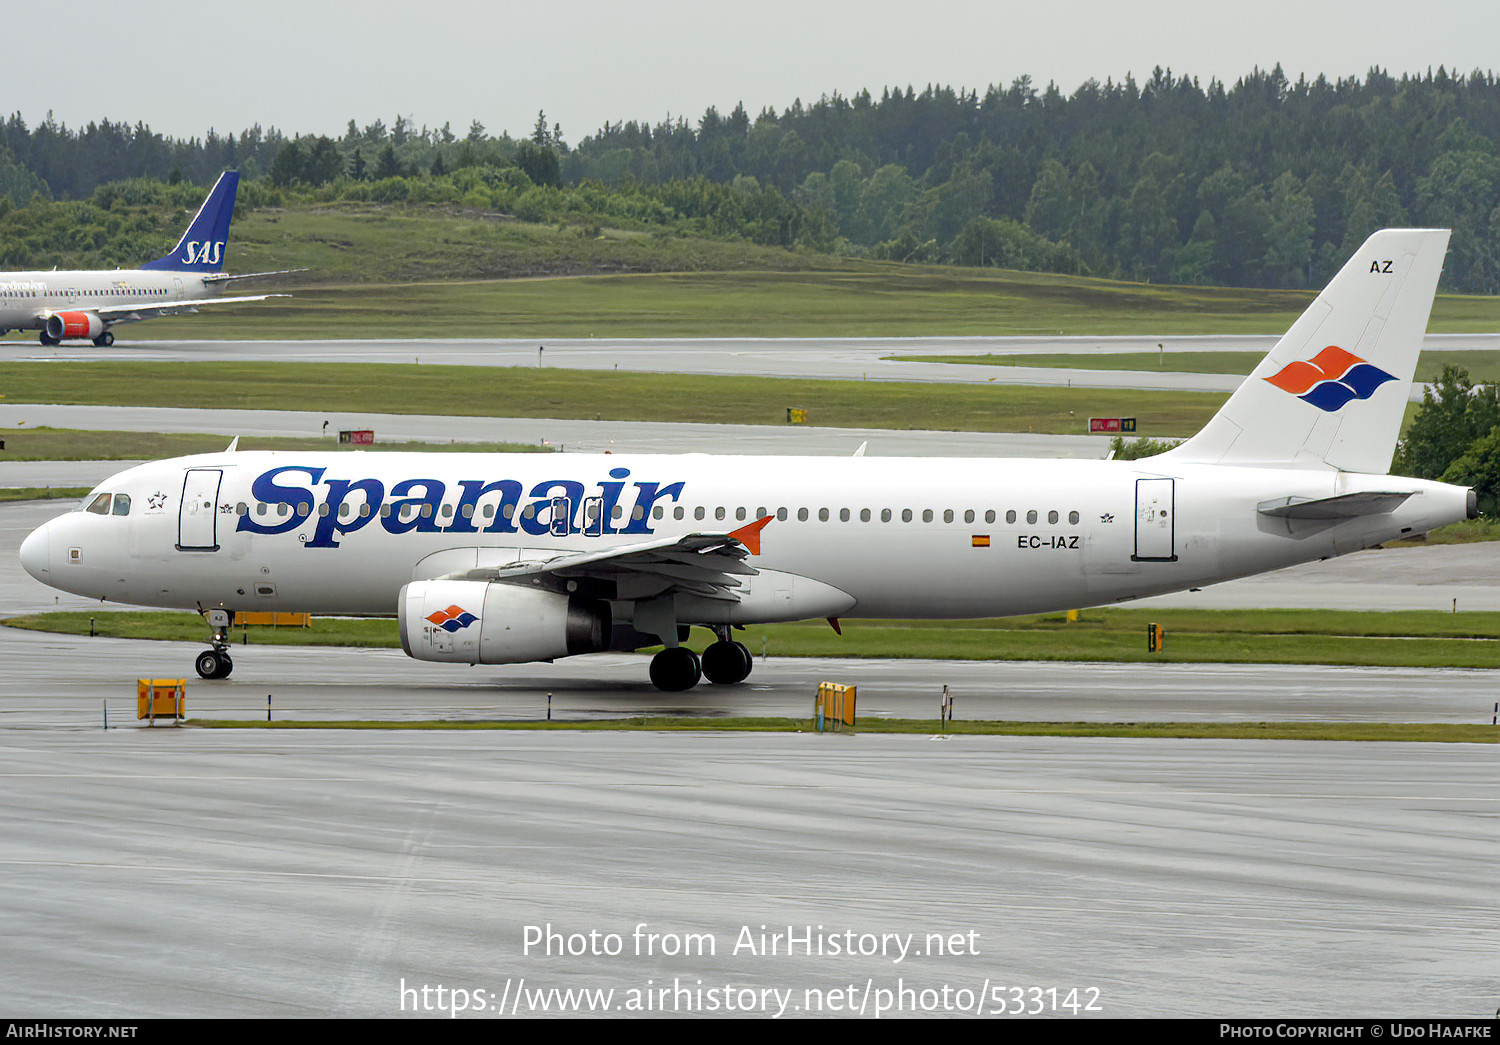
196	252
1330	379
559	507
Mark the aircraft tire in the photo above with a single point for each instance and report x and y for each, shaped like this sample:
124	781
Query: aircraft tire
48	339
104	340
726	663
211	664
675	669
207	664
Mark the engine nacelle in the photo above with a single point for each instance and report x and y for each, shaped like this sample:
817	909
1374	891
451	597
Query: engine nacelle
69	325
483	622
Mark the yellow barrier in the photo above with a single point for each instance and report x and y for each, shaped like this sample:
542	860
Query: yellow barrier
1156	638
834	706
164	697
285	620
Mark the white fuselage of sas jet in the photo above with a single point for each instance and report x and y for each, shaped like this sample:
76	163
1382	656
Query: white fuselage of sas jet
26	298
868	537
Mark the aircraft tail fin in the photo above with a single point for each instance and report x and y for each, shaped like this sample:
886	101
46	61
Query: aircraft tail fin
201	248
1333	391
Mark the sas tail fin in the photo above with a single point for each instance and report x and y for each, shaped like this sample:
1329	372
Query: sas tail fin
201	248
1333	391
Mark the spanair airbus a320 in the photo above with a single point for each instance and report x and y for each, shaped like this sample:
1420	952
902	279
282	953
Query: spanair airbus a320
81	305
504	559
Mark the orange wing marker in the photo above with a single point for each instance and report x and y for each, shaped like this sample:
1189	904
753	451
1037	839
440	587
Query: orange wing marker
749	534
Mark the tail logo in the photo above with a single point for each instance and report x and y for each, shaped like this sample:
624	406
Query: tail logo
1330	379
454	618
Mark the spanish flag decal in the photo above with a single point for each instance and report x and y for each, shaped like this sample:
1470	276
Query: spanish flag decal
981	540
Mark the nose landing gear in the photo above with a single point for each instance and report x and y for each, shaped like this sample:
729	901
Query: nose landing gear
215	663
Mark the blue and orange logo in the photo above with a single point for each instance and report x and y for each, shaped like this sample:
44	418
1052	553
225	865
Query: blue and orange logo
1330	379
454	618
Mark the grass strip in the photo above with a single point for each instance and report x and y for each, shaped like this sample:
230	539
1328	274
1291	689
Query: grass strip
1408	732
1420	639
69	444
41	493
603	395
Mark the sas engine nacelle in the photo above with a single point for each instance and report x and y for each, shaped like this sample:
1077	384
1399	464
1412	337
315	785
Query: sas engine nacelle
71	325
481	622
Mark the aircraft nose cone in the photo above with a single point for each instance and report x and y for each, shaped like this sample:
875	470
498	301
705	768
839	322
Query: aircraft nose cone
34	553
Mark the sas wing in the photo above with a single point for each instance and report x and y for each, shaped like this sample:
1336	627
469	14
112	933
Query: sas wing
126	313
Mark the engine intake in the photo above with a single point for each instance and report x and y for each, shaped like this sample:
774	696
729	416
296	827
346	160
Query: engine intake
483	622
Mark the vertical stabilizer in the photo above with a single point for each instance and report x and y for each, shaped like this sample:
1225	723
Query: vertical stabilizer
1333	391
201	248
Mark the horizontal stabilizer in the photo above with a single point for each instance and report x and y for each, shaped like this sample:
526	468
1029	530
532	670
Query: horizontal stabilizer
1329	509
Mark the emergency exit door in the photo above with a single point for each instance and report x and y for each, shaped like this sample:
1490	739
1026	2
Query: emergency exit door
1155	520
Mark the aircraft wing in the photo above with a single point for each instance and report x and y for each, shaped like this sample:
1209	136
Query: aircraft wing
224	277
709	565
125	313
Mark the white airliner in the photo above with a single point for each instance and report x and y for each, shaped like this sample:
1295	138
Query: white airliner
502	559
85	304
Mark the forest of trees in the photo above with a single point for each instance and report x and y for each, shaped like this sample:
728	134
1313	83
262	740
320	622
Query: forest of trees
1263	183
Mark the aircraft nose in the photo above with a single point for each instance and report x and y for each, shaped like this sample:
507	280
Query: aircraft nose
34	554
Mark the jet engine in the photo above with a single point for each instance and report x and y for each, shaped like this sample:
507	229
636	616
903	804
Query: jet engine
73	325
484	622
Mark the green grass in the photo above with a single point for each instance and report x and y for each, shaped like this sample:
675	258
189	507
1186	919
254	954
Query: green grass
412	294
41	493
1471	531
1413	732
552	392
1399	639
66	444
1482	365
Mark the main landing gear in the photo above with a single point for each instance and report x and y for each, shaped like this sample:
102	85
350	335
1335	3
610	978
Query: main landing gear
724	663
215	663
104	340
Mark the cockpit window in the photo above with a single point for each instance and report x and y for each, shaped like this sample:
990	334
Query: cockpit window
122	504
100	505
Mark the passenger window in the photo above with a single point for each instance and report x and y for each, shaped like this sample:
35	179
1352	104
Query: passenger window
1031	516
1010	516
1073	518
100	504
122	504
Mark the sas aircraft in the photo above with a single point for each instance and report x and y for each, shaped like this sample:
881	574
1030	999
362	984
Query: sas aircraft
503	559
86	304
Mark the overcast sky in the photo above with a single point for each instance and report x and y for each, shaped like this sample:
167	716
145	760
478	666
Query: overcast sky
309	67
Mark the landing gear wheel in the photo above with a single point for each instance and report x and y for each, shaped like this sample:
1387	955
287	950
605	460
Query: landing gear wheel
675	669
726	663
105	339
213	664
48	339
